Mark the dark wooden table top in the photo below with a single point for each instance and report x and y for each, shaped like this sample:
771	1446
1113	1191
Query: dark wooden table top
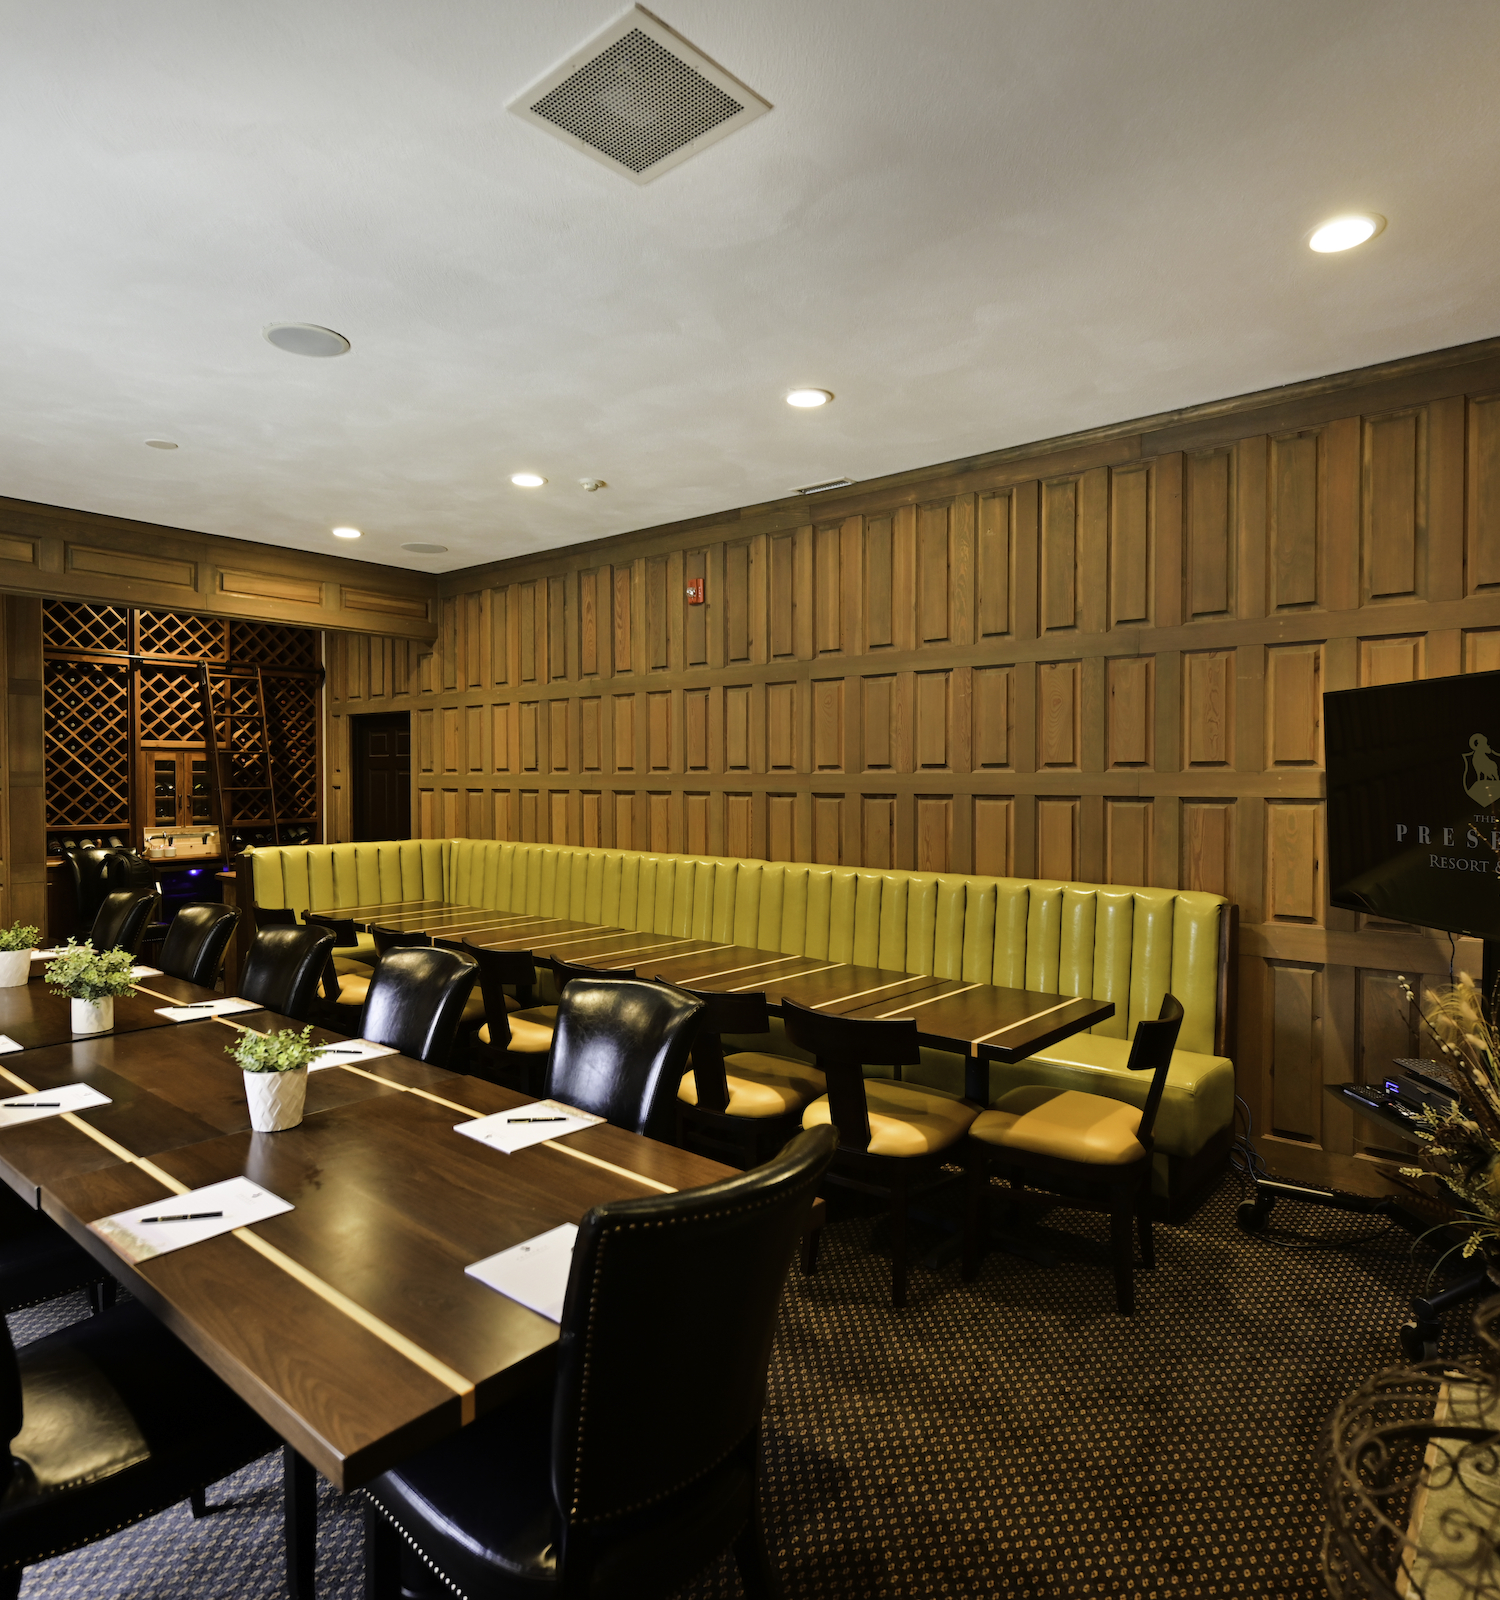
36	1018
349	1323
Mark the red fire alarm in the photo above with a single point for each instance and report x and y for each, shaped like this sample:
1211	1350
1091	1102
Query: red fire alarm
695	591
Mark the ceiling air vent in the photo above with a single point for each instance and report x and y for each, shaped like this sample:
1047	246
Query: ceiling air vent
639	98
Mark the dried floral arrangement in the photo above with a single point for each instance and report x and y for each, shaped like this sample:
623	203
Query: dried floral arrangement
1462	1139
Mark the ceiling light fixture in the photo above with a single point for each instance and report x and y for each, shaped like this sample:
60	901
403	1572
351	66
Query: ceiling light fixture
347	533
426	549
527	480
306	339
160	444
592	484
807	399
1343	233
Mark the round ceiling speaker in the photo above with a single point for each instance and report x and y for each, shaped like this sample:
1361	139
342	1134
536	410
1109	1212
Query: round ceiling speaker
306	339
426	549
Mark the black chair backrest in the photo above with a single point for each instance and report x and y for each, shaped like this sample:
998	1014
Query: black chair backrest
722	1013
274	917
196	940
89	886
126	871
282	969
397	939
620	1048
672	1295
122	919
842	1047
1151	1051
416	1001
496	969
342	928
566	971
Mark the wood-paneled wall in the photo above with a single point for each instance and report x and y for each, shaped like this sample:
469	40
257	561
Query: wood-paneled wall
1101	659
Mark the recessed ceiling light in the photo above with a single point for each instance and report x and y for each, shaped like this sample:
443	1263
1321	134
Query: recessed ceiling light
160	444
426	549
807	399
592	484
306	339
527	480
347	533
1343	233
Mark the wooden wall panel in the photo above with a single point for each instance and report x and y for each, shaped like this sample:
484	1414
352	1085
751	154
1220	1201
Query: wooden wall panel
1104	661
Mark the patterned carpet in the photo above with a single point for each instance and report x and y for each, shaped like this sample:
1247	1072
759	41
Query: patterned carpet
1014	1437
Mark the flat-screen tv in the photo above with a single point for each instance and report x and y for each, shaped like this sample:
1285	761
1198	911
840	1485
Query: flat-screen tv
1414	801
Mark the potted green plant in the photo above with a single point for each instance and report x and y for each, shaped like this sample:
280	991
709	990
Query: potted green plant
275	1069
91	979
17	946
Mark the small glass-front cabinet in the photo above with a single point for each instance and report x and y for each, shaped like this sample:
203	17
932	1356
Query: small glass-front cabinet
175	783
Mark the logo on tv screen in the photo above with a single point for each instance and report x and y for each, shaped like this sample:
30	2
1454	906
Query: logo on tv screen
1484	788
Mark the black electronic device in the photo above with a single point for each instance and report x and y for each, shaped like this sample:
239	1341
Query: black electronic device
1424	1083
1414	801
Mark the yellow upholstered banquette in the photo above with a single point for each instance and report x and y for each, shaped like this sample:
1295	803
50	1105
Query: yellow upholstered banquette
1129	945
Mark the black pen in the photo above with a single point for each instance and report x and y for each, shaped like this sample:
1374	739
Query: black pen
513	1120
324	1050
32	1105
186	1216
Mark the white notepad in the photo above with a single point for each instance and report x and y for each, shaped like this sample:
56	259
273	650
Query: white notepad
7	1044
47	1103
348	1053
198	1010
240	1201
534	1273
146	972
514	1130
49	955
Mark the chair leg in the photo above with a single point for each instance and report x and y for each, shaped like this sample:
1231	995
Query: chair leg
976	1208
300	1484
1122	1247
898	1237
10	1583
757	1577
102	1295
811	1239
1143	1225
382	1556
198	1500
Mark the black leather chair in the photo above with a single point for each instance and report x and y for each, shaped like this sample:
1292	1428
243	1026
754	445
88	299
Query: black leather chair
1072	1140
196	940
109	1421
893	1137
125	870
600	1488
620	1048
416	1002
510	1041
398	939
566	971
741	1108
282	969
123	916
89	885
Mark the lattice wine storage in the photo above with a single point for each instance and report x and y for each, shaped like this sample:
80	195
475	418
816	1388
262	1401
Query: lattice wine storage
120	680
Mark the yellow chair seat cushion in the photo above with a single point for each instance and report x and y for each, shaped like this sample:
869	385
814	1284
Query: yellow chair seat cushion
1064	1123
352	991
905	1119
762	1085
473	1009
546	1015
1197	1102
347	967
526	1038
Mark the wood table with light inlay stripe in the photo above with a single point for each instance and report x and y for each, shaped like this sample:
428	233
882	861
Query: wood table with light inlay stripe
348	1323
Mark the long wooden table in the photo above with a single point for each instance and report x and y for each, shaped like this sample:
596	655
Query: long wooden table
348	1323
980	1021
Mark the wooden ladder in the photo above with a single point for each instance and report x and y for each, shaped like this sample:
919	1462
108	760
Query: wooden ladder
239	751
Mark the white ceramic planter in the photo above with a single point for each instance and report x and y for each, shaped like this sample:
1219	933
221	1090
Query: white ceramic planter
276	1099
15	968
93	1016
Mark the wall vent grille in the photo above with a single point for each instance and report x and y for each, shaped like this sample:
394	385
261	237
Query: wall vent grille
639	98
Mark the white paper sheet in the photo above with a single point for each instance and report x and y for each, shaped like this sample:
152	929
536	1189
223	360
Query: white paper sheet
240	1201
7	1044
198	1010
49	955
513	1130
48	1103
534	1273
348	1053
145	972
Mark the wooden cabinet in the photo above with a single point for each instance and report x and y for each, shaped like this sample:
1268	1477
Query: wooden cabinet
175	788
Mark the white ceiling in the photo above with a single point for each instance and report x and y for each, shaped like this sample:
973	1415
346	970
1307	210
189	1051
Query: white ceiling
980	222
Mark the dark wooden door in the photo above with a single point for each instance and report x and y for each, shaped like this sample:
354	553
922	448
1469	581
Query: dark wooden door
382	776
